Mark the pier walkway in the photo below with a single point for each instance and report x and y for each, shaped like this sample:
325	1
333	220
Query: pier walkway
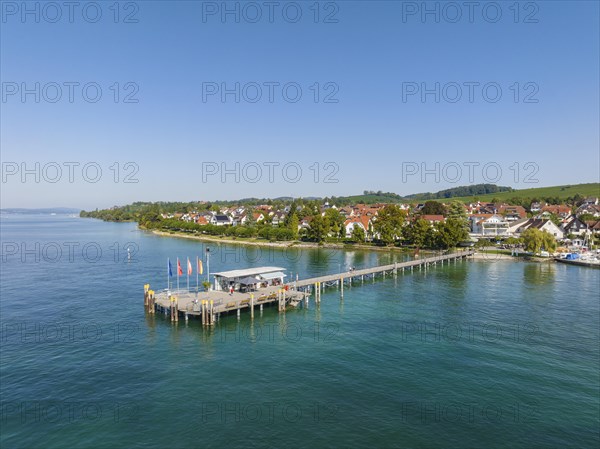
209	305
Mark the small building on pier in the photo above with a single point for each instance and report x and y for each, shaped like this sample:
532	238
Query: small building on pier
249	279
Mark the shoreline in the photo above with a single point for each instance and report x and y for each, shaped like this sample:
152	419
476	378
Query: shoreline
492	257
282	245
480	256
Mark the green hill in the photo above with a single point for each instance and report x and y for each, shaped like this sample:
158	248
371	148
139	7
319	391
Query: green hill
561	193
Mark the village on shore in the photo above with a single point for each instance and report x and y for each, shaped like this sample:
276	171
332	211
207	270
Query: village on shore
537	228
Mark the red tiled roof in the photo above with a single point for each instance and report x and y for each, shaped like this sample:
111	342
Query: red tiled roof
556	209
433	217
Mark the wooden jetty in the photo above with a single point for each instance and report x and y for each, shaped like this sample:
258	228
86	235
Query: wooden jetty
208	306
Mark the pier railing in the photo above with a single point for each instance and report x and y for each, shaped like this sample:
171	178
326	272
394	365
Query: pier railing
384	268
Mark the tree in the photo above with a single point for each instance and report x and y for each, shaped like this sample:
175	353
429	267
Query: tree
336	222
358	234
457	210
457	231
586	217
416	232
293	226
318	228
433	208
536	241
291	213
548	242
458	213
513	241
250	220
389	223
446	234
444	237
150	217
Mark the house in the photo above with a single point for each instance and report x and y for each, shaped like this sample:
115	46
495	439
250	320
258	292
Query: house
512	213
264	208
474	221
304	223
347	211
220	220
432	219
201	220
560	210
589	209
483	208
239	220
489	225
363	209
535	207
513	226
575	226
258	217
590	201
362	222
543	225
278	218
418	208
593	226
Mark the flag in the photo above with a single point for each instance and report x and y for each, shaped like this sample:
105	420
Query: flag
179	270
189	267
200	270
169	267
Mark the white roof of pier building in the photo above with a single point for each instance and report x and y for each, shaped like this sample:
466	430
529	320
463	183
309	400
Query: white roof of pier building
264	272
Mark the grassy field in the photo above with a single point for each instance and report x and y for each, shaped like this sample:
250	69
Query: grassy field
561	192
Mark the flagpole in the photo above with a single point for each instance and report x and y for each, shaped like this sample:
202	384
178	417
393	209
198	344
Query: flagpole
168	265
197	274
178	274
188	274
208	265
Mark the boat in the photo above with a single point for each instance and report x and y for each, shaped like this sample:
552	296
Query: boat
586	260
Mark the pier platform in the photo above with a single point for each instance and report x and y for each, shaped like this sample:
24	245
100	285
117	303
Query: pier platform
209	305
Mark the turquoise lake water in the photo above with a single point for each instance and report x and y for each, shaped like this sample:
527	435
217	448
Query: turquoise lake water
473	354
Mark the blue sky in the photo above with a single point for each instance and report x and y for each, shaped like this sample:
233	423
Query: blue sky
371	61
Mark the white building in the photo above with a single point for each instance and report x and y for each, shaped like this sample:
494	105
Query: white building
496	225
